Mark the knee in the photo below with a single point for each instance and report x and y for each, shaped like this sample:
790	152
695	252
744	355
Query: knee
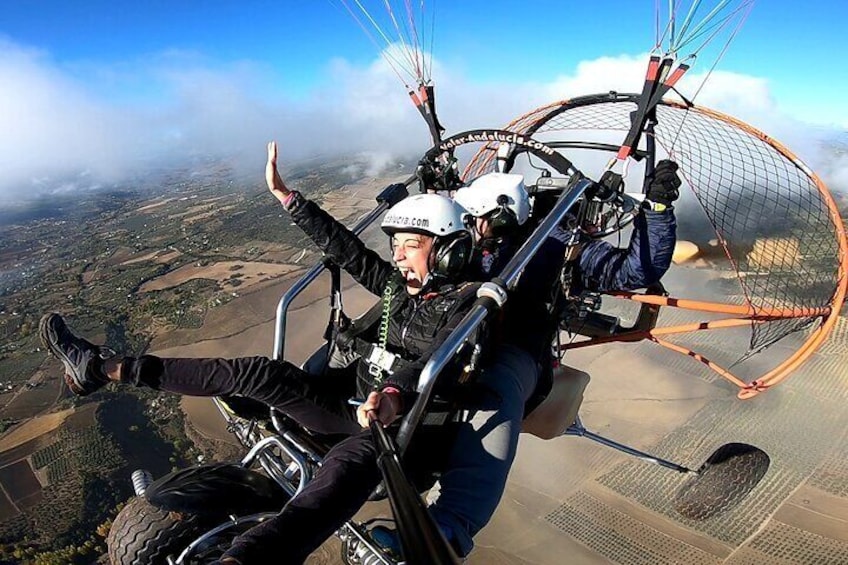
512	374
356	451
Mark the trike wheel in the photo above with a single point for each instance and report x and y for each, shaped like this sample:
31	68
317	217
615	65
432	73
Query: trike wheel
142	534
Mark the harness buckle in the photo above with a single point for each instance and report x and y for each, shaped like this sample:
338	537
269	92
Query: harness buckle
381	359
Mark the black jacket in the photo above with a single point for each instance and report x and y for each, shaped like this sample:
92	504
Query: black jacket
417	324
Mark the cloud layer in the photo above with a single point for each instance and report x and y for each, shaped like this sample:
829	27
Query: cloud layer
113	123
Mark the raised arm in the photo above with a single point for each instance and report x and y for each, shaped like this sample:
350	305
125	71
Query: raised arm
646	259
336	241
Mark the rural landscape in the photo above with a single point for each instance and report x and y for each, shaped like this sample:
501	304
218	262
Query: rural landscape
140	268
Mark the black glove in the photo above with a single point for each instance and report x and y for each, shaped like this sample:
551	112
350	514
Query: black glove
663	187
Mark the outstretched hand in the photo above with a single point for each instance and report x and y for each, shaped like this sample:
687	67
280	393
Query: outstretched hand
382	405
272	176
665	184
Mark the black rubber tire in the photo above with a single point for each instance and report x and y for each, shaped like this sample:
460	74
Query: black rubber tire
727	477
142	534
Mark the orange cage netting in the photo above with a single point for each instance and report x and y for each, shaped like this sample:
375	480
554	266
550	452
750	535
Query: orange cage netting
772	216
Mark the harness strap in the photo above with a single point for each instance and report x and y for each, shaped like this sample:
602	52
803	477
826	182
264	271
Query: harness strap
366	321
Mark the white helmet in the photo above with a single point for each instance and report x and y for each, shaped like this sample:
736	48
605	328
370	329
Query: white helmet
428	214
438	216
494	191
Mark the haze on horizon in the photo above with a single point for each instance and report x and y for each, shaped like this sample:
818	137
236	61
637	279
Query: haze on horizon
114	115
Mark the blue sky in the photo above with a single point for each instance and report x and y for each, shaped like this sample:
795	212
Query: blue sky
170	71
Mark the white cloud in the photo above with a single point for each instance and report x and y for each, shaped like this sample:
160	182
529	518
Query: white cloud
50	122
56	124
624	73
834	172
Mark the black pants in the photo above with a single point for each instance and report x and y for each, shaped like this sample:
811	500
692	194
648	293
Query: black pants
349	473
336	492
319	403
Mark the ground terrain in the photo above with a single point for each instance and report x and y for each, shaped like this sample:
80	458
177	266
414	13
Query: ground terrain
142	269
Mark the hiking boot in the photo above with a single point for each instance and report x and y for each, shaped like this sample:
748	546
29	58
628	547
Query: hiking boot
84	371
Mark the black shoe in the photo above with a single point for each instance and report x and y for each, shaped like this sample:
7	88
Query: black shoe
84	372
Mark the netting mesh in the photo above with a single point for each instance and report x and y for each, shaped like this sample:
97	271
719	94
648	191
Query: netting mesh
771	215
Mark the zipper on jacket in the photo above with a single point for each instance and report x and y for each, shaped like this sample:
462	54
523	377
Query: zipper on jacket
415	302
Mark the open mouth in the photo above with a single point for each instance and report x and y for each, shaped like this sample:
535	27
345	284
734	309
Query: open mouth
410	277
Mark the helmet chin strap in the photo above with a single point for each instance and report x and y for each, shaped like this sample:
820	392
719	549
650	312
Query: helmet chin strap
432	265
426	282
478	235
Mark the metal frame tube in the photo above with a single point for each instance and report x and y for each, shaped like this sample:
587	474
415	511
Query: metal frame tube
353	530
297	458
261	517
577	429
508	279
304	281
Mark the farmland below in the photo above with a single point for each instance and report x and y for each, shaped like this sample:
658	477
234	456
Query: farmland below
138	268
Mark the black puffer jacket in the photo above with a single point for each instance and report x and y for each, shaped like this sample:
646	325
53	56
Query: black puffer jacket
417	324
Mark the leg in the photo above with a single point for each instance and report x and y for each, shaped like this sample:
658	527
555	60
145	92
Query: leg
258	378
472	485
317	403
342	485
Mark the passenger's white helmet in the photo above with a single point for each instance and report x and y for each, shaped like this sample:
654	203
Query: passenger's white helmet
495	191
438	216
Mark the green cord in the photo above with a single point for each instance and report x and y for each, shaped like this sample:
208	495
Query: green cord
388	294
